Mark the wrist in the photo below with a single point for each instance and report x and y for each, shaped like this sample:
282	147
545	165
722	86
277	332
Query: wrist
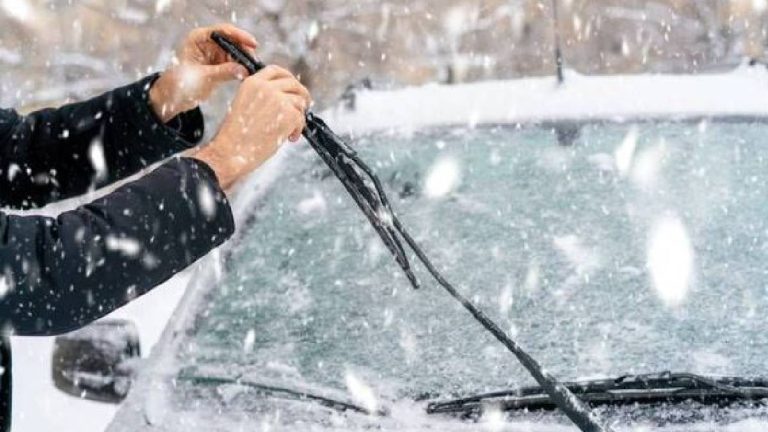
162	98
225	173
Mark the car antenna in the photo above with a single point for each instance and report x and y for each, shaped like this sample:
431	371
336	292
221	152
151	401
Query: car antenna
558	51
347	166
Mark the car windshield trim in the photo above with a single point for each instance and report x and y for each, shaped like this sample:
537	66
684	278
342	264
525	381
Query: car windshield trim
624	390
282	393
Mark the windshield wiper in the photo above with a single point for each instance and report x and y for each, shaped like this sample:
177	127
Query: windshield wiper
282	393
625	390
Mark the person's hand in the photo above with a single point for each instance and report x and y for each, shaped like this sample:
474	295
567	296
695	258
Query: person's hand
269	108
199	66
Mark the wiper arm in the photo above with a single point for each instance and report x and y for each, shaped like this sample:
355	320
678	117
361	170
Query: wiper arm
283	393
627	389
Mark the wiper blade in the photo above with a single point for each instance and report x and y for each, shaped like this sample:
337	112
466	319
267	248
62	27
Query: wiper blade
357	178
283	393
624	390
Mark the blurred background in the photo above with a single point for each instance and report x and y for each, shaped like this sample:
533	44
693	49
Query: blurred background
56	50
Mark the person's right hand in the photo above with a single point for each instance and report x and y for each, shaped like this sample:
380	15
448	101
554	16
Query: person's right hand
269	108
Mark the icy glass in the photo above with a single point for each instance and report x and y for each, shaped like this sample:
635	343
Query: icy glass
639	248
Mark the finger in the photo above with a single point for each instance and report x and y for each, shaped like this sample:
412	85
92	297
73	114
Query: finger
294	87
301	119
273	73
298	102
225	72
296	134
238	35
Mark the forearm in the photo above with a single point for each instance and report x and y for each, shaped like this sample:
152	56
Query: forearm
66	151
65	272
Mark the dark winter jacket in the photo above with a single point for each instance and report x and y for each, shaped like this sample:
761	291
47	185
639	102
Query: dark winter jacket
58	274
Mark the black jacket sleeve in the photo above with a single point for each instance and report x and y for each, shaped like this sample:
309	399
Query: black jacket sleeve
58	274
59	153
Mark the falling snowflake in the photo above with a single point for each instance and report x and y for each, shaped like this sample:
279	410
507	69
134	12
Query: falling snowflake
361	392
444	177
127	246
670	260
207	200
626	151
249	340
98	160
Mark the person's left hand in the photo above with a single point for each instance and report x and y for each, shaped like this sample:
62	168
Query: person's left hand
199	66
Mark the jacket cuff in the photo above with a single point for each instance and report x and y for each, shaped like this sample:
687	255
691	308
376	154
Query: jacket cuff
209	198
182	132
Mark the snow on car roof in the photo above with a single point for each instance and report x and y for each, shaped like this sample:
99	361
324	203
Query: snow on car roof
742	92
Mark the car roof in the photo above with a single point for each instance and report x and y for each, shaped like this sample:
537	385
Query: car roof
741	92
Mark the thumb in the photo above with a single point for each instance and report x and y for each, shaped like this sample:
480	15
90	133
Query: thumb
225	72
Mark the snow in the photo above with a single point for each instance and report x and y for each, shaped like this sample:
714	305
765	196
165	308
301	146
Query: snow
98	161
626	151
9	56
361	392
582	258
670	260
443	178
532	277
13	169
129	247
316	203
493	420
18	9
162	6
207	201
741	92
647	165
4	286
249	340
272	6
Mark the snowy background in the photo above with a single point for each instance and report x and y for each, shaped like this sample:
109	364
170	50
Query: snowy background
52	50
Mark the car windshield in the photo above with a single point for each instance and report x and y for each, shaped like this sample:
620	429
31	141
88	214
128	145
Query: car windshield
637	248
